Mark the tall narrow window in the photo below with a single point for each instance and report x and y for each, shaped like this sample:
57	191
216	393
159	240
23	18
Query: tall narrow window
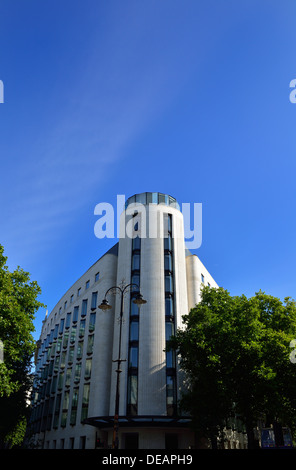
68	320
61	326
57	411
132	389
65	408
94	298
79	350
92	322
133	357
84	308
87	372
74	406
171	391
73	333
132	393
171	395
85	401
90	344
75	314
77	371
136	262
82	328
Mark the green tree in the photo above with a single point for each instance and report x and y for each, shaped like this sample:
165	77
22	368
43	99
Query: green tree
236	355
18	305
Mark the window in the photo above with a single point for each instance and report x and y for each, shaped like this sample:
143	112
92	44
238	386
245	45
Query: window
57	411
168	264
79	350
90	344
73	333
56	364
77	372
74	406
82	328
97	277
79	292
54	384
167	243
71	355
136	244
56	330
87	372
135	279
136	262
141	198
92	322
71	298
61	326
171	395
65	408
94	299
65	305
169	283
133	356
134	331
63	359
169	306
84	307
82	442
68	320
169	330
68	377
65	341
85	402
75	314
170	359
161	198
132	395
202	278
59	345
86	285
51	336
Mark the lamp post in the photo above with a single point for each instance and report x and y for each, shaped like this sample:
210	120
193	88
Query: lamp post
122	290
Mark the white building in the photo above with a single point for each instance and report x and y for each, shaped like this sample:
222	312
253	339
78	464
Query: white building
74	395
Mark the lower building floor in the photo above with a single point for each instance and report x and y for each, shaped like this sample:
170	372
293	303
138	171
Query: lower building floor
90	437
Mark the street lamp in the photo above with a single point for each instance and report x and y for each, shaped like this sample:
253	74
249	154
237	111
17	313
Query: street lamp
138	300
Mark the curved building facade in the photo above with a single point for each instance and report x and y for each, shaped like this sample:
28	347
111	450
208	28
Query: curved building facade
75	388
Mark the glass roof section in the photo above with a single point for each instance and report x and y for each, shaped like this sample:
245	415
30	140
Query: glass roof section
153	198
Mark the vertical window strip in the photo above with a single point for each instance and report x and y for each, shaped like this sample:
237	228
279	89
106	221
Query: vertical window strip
132	391
171	390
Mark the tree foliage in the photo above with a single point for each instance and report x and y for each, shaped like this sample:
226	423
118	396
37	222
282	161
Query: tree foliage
236	354
18	305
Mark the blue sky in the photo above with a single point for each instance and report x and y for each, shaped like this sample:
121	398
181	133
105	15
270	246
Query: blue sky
189	98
